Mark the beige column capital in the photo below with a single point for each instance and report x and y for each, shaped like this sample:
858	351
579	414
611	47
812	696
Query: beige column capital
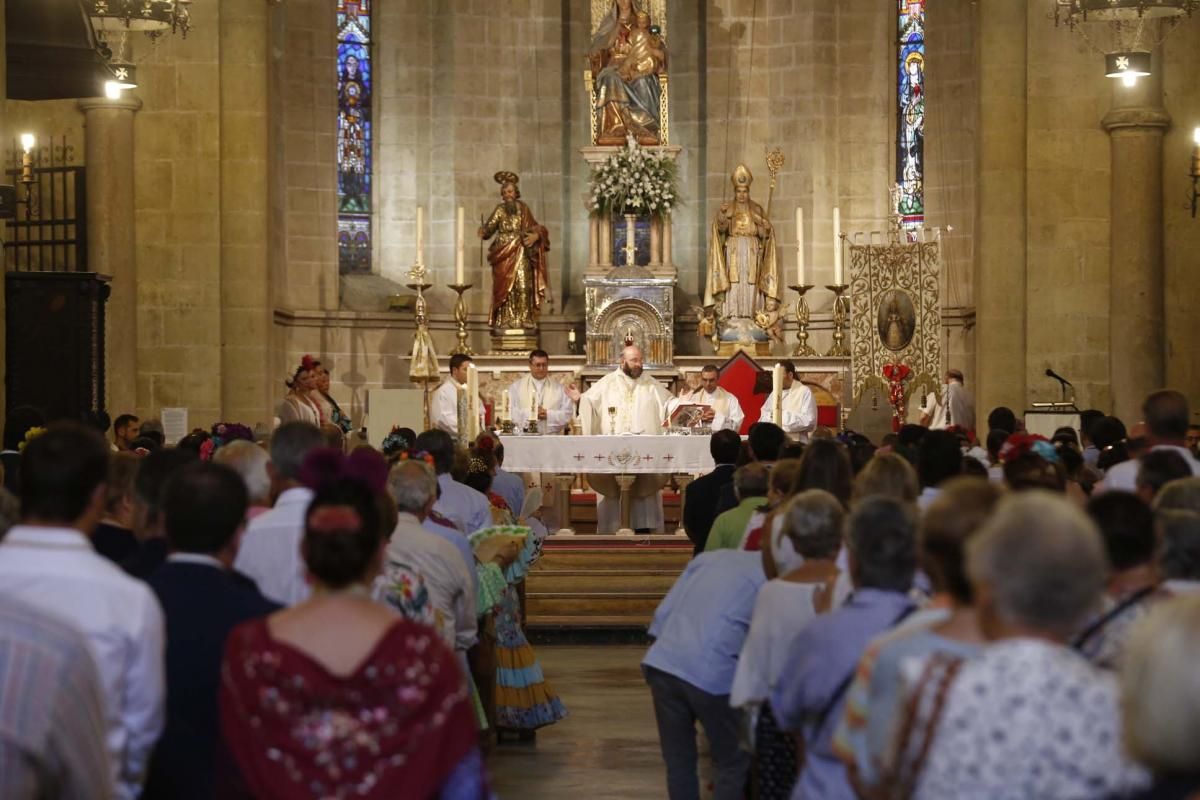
1138	117
87	104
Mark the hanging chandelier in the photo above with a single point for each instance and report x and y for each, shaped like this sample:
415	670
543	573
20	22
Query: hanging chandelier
111	22
1125	32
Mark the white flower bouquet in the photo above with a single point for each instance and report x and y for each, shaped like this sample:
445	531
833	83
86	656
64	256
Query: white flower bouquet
635	181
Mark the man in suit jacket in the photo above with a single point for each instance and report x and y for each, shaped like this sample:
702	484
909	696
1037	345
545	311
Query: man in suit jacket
203	508
701	495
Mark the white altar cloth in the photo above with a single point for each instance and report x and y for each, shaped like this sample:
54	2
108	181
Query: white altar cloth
614	455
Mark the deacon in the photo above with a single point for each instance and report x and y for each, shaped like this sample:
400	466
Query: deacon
536	394
443	408
799	405
723	411
627	401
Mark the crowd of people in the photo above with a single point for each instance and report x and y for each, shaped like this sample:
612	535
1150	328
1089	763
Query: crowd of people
253	614
929	618
247	615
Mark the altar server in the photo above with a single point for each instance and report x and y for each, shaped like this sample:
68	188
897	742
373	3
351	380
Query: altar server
799	405
626	401
443	409
724	412
554	407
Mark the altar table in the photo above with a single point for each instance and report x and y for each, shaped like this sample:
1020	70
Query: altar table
624	457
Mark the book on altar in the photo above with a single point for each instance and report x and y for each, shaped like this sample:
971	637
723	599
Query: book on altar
689	415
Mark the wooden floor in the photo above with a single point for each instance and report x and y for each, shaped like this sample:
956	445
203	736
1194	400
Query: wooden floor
607	749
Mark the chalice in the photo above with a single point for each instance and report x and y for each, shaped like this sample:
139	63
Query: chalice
612	420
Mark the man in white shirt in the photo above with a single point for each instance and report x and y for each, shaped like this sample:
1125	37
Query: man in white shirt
1167	417
48	562
413	485
467	509
270	550
537	391
723	411
799	406
443	407
626	401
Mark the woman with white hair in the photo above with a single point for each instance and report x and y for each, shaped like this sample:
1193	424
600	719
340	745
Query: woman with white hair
1029	718
249	461
799	557
1160	698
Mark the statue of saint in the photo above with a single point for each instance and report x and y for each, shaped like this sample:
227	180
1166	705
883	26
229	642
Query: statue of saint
518	258
627	55
743	272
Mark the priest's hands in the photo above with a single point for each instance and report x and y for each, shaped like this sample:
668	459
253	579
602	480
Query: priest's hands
707	414
573	392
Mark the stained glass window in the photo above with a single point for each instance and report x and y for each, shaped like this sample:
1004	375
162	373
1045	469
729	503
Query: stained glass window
354	157
910	113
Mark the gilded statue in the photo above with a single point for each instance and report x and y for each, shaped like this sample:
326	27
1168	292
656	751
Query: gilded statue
743	271
627	54
517	256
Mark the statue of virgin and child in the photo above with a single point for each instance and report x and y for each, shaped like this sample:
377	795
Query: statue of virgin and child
627	55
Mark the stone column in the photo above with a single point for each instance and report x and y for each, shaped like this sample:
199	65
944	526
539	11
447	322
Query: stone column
109	135
1136	348
245	279
1001	260
5	136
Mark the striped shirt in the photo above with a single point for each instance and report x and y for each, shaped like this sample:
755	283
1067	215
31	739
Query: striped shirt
51	719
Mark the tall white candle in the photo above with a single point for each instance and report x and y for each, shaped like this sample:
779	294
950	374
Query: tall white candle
458	252
799	246
472	402
505	414
777	394
837	246
420	234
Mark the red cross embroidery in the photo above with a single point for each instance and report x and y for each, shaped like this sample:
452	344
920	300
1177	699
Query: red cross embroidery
579	457
598	458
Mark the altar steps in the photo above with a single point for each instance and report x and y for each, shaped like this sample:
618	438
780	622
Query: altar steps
590	582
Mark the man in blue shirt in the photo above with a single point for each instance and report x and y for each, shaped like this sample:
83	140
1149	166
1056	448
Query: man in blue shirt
880	536
698	630
468	509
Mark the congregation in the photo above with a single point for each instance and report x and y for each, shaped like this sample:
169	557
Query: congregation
284	616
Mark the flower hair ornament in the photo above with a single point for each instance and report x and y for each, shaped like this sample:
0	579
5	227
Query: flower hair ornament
221	434
1021	443
416	455
477	466
327	465
307	364
329	520
30	435
394	443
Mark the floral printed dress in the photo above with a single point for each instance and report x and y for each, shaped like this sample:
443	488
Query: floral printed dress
524	700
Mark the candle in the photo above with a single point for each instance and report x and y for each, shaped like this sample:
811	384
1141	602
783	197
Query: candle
420	234
504	410
799	246
777	394
837	246
472	402
458	253
571	336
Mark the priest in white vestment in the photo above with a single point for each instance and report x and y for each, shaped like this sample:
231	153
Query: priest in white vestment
443	406
799	406
626	402
723	411
536	393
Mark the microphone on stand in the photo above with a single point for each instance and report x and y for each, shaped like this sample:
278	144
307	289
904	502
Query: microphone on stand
1062	381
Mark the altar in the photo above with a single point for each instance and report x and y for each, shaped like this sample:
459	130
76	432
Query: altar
632	462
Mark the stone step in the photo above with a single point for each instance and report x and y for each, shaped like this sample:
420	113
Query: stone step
637	607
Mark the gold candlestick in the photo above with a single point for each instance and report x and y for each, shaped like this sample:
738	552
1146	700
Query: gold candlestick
841	313
803	349
423	367
460	318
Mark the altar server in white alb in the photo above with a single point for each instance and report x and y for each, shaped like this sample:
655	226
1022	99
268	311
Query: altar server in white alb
443	408
537	393
724	412
799	405
626	402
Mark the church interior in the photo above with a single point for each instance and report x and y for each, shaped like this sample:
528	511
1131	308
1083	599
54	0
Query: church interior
202	194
